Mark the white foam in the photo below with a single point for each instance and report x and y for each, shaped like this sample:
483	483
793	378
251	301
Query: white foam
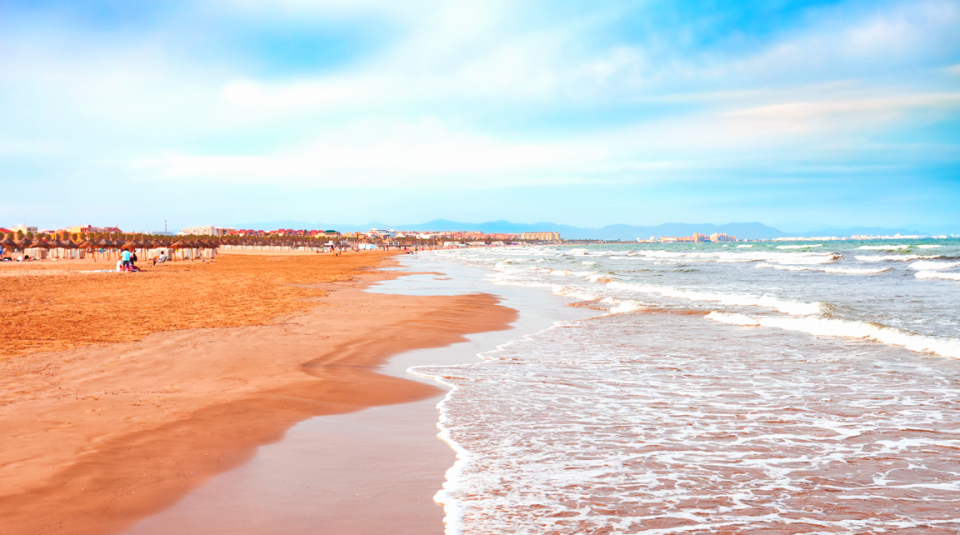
937	275
933	266
848	329
743	246
840	270
584	430
785	306
884	247
628	305
799	246
748	256
854	271
894	258
927	246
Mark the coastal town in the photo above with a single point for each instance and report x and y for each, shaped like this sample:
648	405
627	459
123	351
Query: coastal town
81	241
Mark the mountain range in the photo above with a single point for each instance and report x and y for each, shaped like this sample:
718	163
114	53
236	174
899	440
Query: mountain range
749	231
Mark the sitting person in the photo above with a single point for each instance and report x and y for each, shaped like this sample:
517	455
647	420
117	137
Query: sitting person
162	258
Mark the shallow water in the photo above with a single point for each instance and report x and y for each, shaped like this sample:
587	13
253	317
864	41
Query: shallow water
726	398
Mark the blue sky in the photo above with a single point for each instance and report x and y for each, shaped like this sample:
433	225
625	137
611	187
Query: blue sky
801	115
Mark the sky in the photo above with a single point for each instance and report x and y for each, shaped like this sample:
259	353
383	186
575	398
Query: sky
799	115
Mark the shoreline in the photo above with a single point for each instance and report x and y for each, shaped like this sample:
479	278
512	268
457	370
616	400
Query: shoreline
98	437
372	471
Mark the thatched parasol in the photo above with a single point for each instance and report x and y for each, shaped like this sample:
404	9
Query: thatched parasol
129	246
8	244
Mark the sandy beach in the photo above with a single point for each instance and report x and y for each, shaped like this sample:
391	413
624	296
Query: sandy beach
138	404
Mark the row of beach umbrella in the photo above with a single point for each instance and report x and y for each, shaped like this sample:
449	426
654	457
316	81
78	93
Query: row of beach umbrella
105	244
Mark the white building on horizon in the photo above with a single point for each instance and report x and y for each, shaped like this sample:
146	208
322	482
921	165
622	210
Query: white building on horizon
204	231
382	233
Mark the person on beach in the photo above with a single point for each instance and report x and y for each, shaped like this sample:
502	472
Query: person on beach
125	258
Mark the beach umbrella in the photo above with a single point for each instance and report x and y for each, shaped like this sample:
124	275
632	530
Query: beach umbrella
8	244
106	245
177	245
86	245
129	246
22	244
39	244
67	244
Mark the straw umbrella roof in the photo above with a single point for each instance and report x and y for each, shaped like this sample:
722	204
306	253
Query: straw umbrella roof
86	244
7	242
129	245
105	243
177	245
40	244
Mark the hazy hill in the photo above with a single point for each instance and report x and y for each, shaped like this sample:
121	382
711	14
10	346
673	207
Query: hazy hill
748	231
610	232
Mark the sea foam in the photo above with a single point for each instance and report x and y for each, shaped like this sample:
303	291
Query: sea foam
937	275
848	329
785	306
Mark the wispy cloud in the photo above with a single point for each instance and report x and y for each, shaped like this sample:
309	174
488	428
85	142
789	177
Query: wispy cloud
481	96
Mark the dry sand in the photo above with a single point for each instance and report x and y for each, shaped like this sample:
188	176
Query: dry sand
95	437
50	306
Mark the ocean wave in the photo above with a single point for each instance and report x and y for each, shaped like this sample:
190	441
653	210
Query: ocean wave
744	257
937	275
895	258
847	329
565	272
743	246
928	246
891	247
788	307
621	306
840	270
798	246
932	266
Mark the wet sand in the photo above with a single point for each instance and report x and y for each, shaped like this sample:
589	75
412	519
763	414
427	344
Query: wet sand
371	471
97	437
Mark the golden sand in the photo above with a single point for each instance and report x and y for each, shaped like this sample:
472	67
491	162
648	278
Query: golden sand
51	306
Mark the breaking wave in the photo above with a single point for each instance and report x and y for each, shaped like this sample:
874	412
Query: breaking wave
848	329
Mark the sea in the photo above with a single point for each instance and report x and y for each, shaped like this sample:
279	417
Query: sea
770	387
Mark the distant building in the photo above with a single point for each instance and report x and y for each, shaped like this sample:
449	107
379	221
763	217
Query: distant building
540	236
382	233
721	237
25	229
90	229
206	231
